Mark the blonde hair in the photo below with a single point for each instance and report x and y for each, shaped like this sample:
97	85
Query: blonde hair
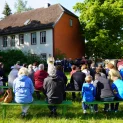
84	66
115	73
30	66
110	66
88	78
23	71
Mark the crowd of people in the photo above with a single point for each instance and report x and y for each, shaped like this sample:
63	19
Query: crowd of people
95	82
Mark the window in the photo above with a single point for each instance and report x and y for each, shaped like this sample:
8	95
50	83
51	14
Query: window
43	37
33	38
21	39
43	56
12	40
5	41
71	22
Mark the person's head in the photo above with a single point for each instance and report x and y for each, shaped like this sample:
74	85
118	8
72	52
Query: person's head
59	67
100	66
93	65
73	67
110	66
35	64
78	68
23	71
52	72
97	75
25	65
1	65
30	66
84	66
114	74
98	70
88	79
41	66
16	67
18	62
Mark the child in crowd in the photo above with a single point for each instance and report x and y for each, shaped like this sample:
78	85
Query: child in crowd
88	93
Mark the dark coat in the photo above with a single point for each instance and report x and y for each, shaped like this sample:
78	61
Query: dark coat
77	79
54	89
62	75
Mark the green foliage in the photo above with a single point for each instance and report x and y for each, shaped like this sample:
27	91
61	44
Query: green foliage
102	21
7	10
59	54
10	57
21	6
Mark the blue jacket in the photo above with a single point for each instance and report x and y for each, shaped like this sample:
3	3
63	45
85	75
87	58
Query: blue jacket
117	87
88	92
23	89
121	73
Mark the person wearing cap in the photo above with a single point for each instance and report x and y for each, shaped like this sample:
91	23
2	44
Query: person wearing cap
54	89
23	89
39	77
13	75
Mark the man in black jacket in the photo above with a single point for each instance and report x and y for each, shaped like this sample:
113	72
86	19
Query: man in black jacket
77	80
54	90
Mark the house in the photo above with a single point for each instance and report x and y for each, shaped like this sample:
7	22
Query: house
43	31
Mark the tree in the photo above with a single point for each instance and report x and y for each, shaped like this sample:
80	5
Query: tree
7	10
102	22
20	6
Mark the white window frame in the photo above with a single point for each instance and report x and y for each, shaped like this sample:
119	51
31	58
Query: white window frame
43	37
21	39
4	41
33	38
12	41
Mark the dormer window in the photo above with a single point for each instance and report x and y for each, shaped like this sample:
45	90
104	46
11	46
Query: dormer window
27	22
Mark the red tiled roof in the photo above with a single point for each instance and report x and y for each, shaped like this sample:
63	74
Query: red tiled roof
40	18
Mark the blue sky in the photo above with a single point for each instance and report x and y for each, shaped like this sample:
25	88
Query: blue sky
39	3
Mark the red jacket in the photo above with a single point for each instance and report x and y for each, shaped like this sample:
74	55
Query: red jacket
39	77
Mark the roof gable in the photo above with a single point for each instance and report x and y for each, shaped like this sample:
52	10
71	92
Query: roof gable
40	18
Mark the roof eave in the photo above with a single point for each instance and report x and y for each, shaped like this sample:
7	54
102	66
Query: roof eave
26	30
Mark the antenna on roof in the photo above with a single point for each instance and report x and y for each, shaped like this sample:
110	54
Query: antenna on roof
27	22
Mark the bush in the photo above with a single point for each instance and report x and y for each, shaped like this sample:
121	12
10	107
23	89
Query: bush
10	57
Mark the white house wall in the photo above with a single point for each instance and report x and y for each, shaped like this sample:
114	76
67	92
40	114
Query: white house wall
33	49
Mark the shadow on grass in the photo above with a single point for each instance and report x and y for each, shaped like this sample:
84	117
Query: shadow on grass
73	112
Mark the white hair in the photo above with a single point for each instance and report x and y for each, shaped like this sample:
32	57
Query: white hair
41	66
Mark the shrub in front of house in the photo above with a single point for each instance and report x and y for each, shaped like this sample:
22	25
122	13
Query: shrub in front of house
10	57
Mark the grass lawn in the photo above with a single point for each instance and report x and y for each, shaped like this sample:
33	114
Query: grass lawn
74	114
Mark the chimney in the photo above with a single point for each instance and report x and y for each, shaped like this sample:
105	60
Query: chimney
47	5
